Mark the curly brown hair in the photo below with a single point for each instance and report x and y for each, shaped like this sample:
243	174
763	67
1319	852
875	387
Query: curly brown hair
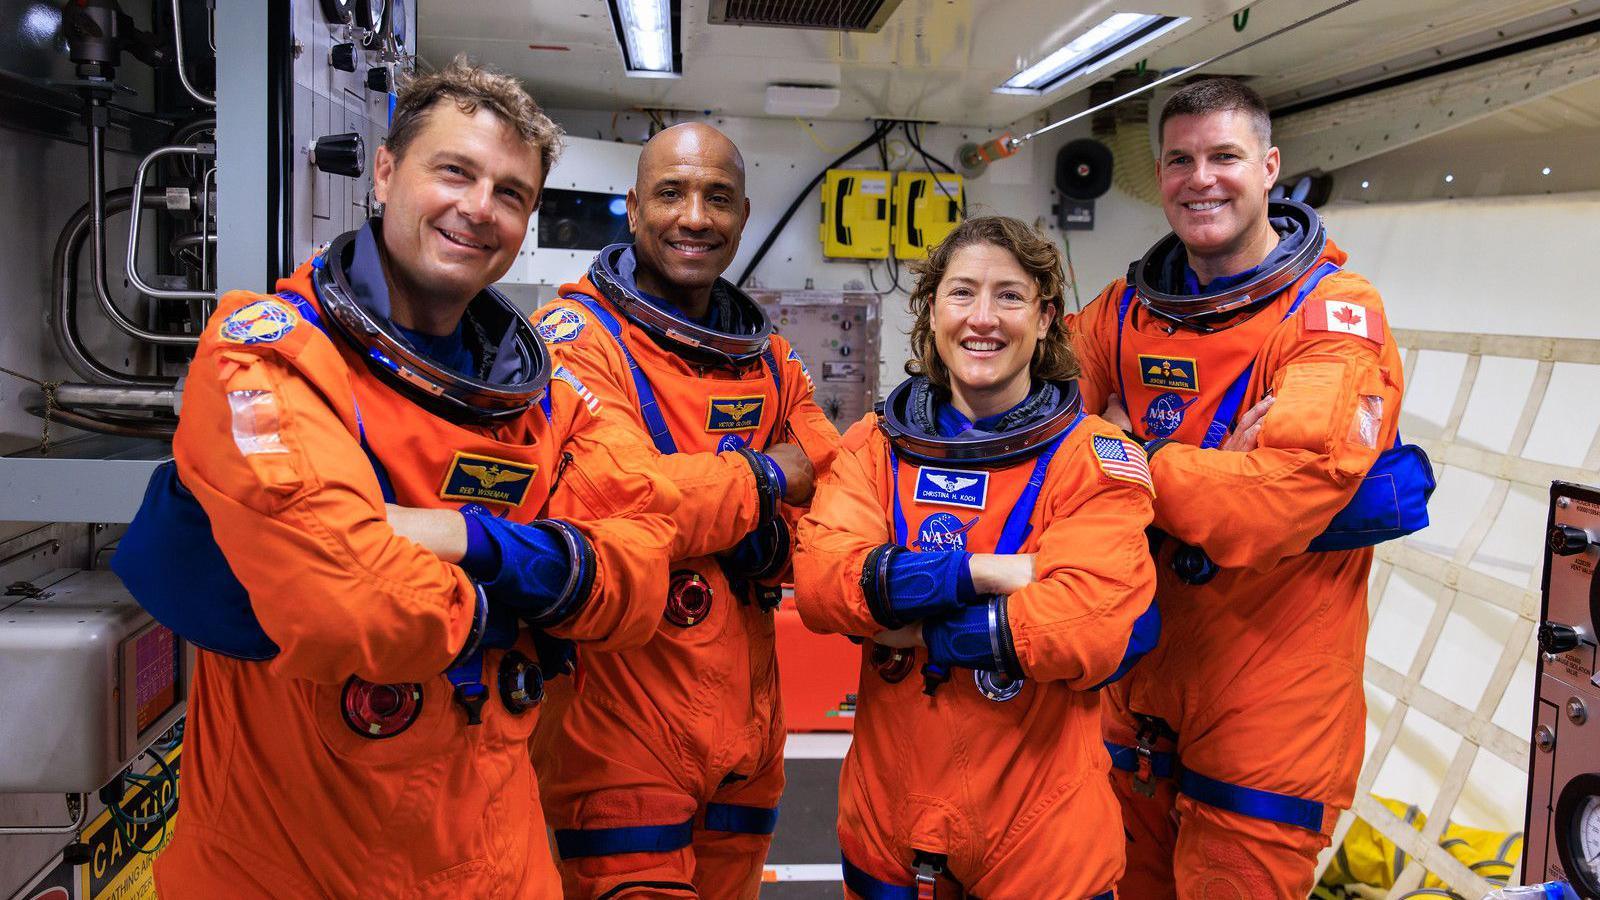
472	87
1053	359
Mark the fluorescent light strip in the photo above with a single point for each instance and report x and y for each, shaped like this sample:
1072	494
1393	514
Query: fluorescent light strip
646	27
1117	36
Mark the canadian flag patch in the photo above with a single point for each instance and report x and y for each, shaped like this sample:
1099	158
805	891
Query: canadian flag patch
1343	317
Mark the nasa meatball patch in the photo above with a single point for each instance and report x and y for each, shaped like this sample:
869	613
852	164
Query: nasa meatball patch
561	325
942	531
952	487
261	322
1343	317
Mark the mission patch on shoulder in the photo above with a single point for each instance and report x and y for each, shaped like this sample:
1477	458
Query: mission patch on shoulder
261	322
560	325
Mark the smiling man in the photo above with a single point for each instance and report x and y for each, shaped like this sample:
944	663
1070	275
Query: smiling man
1236	743
662	776
346	738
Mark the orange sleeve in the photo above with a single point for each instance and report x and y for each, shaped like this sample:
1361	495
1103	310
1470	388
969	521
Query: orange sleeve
1097	377
718	504
623	503
267	443
1093	569
1337	407
847	521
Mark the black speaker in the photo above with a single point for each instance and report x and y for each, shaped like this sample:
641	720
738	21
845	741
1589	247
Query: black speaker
1083	169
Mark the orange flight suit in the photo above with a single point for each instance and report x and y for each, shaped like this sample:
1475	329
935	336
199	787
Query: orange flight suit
1013	793
283	798
680	741
1259	672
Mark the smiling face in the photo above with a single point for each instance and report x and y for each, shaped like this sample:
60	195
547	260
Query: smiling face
986	322
687	211
1215	173
456	208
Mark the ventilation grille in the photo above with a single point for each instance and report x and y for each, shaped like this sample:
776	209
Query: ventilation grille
820	15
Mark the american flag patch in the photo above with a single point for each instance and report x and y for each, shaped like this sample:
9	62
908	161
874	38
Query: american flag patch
562	373
1123	461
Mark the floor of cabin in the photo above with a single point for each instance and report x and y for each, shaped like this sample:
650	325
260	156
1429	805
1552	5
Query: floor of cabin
804	861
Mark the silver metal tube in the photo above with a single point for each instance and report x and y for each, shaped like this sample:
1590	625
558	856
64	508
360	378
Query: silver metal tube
137	212
77	807
97	252
1017	141
137	397
64	286
183	71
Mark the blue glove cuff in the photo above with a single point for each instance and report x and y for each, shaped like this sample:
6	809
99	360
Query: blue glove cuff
482	559
775	472
928	584
963	639
546	570
769	482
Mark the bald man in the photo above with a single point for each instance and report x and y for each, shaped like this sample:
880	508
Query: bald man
662	773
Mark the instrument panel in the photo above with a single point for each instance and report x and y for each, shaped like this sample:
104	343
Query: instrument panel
1563	822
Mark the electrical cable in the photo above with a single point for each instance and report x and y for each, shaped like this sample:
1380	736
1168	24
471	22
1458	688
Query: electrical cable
1072	273
105	423
878	130
930	161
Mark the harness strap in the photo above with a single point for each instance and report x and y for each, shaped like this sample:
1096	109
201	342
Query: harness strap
741	819
1228	410
1017	525
869	888
1246	801
574	843
655	423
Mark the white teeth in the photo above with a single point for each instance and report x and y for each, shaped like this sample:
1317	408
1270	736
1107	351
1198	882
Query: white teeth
1206	205
981	346
459	239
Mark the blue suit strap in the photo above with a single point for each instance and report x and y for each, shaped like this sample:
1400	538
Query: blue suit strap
654	422
777	374
1257	804
1253	802
741	819
574	843
1123	306
869	888
1163	763
1017	525
1228	412
894	485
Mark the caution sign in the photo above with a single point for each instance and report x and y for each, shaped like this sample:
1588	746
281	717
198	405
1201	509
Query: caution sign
121	861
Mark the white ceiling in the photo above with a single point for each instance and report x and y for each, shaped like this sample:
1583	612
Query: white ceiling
939	59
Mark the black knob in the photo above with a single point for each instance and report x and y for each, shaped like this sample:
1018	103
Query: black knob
1566	540
1557	638
378	79
340	154
343	57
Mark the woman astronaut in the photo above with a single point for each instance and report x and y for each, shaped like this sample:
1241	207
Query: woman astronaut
990	534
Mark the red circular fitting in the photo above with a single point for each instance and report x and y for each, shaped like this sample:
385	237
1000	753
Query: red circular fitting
688	599
380	711
893	663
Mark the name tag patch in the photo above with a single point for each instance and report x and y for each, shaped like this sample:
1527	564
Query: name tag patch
1173	373
734	413
484	479
952	487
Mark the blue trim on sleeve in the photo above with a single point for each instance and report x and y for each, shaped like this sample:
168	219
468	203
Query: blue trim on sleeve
575	843
741	819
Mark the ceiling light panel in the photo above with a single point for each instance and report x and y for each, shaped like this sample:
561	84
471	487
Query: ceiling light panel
1114	38
646	29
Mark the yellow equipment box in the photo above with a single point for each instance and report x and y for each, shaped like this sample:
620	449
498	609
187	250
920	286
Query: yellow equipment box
855	214
926	208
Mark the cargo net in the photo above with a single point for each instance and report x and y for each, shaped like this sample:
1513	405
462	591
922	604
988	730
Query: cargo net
1454	609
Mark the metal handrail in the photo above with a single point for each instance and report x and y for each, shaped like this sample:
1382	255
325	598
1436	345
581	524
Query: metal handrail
183	71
